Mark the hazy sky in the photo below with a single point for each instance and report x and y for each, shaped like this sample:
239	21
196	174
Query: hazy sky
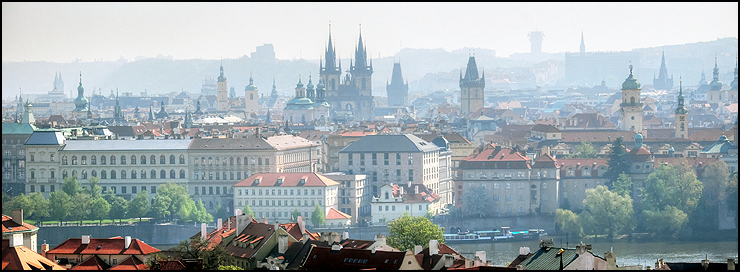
63	32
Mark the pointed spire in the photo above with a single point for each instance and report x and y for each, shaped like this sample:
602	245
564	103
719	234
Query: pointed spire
583	44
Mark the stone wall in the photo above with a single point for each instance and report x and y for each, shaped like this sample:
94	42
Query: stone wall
159	236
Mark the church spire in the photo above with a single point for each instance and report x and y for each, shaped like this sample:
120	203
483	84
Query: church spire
360	55
330	55
583	45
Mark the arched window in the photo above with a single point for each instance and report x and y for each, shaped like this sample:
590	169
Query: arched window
203	160
102	160
172	159
363	83
112	174
84	174
303	118
259	161
123	160
223	160
172	173
74	160
83	160
123	174
133	159
93	173
162	174
152	159
64	174
103	174
182	159
112	160
143	159
238	160
210	160
251	96
231	161
153	174
161	159
133	174
182	173
386	195
218	160
93	160
64	160
143	174
632	100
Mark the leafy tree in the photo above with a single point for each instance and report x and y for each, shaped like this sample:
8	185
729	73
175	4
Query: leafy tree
318	218
200	214
671	185
715	180
220	212
294	215
119	208
20	201
612	213
81	207
213	255
583	151
95	190
109	196
154	259
247	210
72	186
40	206
230	267
160	206
186	211
623	185
60	204
100	209
667	221
477	202
178	195
619	162
732	200
139	206
568	222
407	231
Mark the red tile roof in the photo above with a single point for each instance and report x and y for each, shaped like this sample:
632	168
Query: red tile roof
254	234
108	246
92	263
352	259
490	153
131	263
545	161
171	265
11	226
334	214
582	162
23	258
288	179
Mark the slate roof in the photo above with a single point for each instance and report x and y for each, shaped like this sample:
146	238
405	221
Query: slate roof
46	138
545	128
10	226
23	258
494	154
250	240
92	263
352	259
390	143
125	145
108	246
549	259
288	179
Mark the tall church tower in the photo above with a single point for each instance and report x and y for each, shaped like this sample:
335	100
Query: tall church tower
330	70
472	88
222	99
583	45
361	71
663	82
81	104
682	116
251	97
398	91
631	107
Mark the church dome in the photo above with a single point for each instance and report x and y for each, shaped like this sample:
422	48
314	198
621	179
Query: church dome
631	82
321	85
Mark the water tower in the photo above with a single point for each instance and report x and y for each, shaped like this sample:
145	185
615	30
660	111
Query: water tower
535	37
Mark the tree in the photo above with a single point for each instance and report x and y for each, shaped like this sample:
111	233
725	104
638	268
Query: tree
318	218
477	202
178	195
160	206
619	162
294	215
95	190
220	212
671	185
213	255
715	180
200	214
60	204
119	208
667	221
139	206
154	258
72	186
568	222
407	231
612	213
230	267
100	209
623	185
248	210
81	207
583	151
20	201
40	206
186	211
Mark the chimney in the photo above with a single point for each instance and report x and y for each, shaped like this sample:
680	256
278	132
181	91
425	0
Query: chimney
345	235
731	264
468	263
219	224
588	247
237	212
276	226
416	189
228	224
477	261
336	247
449	260
611	261
335	238
203	231
282	244
127	242
301	223
16	240
433	247
705	264
18	216
325	237
85	239
417	249
44	249
482	255
380	239
305	238
580	249
242	221
523	251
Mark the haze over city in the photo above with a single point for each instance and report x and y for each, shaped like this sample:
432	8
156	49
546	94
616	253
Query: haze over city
66	32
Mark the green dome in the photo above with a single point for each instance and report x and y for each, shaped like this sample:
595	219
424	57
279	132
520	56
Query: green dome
251	86
310	85
299	85
321	84
631	82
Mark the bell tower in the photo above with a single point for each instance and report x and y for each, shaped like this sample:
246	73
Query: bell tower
329	71
222	98
682	116
471	86
631	107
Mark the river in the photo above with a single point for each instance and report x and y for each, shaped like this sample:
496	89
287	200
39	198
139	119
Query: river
628	253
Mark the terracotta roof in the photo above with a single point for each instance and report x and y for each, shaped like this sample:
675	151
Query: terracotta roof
356	133
250	240
353	259
596	136
334	214
695	162
545	161
492	154
707	135
108	246
92	263
10	226
582	162
288	179
545	128
171	265
131	263
23	258
354	243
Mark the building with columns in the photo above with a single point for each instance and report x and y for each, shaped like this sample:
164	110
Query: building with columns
631	106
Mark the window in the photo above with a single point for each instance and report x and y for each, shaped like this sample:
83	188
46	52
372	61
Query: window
508	185
162	174
123	189
74	160
495	186
182	174
153	174
51	157
133	189
495	197
103	174
152	159
143	159
154	189
161	159
172	173
64	160
508	197
112	160
411	159
172	159
133	173
182	159
375	158
83	160
143	174
84	174
133	159
112	174
52	173
123	160
411	174
123	174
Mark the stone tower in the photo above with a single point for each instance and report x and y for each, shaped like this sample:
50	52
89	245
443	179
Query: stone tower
583	45
663	82
471	86
222	99
330	70
398	91
682	116
631	107
251	97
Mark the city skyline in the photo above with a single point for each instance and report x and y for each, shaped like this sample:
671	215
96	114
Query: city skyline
65	32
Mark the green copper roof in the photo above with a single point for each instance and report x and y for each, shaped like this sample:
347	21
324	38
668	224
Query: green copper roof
631	82
18	128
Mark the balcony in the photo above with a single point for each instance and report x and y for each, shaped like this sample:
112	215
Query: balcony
52	180
32	180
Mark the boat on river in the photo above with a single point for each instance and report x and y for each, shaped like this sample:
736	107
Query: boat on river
504	234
